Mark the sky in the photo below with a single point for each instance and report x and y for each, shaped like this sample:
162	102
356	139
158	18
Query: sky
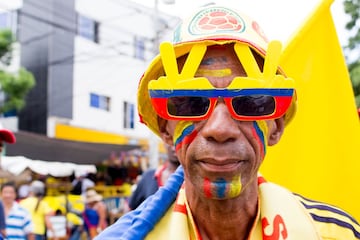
286	15
279	19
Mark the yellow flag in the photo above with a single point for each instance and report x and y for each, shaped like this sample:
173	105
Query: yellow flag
319	154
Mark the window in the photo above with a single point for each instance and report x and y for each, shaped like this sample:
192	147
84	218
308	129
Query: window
139	48
8	20
99	101
88	28
129	113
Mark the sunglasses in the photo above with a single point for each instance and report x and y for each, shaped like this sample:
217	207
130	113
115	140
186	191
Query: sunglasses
259	96
243	104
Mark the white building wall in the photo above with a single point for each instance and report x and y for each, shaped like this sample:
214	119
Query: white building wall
109	68
104	72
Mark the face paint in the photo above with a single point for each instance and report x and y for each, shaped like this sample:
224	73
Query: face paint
184	134
260	131
221	189
214	73
207	188
235	187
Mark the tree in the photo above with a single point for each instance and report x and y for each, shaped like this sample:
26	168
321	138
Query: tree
13	86
352	9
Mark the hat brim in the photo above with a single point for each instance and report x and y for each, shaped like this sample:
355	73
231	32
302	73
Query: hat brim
95	198
7	136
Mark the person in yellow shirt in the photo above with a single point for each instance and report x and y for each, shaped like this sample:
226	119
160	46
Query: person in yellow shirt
218	94
39	209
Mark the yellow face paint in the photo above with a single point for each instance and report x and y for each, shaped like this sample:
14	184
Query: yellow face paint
235	187
214	73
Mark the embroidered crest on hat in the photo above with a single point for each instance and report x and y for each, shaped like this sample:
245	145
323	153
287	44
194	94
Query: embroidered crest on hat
217	20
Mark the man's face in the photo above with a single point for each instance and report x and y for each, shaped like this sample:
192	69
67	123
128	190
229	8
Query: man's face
8	194
220	155
172	154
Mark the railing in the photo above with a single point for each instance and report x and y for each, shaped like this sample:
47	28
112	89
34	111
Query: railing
110	191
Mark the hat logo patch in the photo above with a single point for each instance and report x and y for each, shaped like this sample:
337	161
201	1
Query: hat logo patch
216	20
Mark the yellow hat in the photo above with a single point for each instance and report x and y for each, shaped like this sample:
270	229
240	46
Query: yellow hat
211	25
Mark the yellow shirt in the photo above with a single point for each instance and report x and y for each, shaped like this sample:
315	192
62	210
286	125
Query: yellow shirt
282	215
38	216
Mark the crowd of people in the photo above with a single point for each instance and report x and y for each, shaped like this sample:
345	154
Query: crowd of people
26	214
32	217
28	218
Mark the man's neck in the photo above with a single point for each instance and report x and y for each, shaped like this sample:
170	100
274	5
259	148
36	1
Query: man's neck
7	207
171	166
233	218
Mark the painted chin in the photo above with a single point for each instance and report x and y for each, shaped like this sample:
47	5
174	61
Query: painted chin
221	188
221	178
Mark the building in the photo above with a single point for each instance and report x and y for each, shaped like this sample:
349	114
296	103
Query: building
87	57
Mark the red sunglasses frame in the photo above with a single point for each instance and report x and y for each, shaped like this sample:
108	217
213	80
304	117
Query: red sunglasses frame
282	97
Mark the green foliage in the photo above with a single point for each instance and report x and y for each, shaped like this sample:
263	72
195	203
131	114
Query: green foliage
6	40
352	9
15	86
355	78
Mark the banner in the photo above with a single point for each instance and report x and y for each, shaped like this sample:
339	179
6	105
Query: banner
319	153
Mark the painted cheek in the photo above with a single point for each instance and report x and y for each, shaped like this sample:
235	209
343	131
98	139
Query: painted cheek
184	134
260	131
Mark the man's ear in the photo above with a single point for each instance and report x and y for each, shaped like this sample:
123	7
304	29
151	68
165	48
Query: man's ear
276	130
164	131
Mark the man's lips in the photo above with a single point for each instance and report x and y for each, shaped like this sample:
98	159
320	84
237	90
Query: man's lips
212	165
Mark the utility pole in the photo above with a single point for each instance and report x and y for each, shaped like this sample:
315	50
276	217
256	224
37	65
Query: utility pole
154	140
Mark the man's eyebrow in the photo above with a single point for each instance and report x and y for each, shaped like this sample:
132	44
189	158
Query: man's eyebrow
215	72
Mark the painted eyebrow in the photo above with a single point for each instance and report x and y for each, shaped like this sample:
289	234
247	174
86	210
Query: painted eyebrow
215	72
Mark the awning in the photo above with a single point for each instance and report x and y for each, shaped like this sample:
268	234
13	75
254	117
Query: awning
16	165
41	147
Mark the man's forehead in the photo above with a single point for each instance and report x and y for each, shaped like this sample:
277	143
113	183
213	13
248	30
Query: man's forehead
216	57
220	61
219	56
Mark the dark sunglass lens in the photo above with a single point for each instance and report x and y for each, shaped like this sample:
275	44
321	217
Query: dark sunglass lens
254	105
188	106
